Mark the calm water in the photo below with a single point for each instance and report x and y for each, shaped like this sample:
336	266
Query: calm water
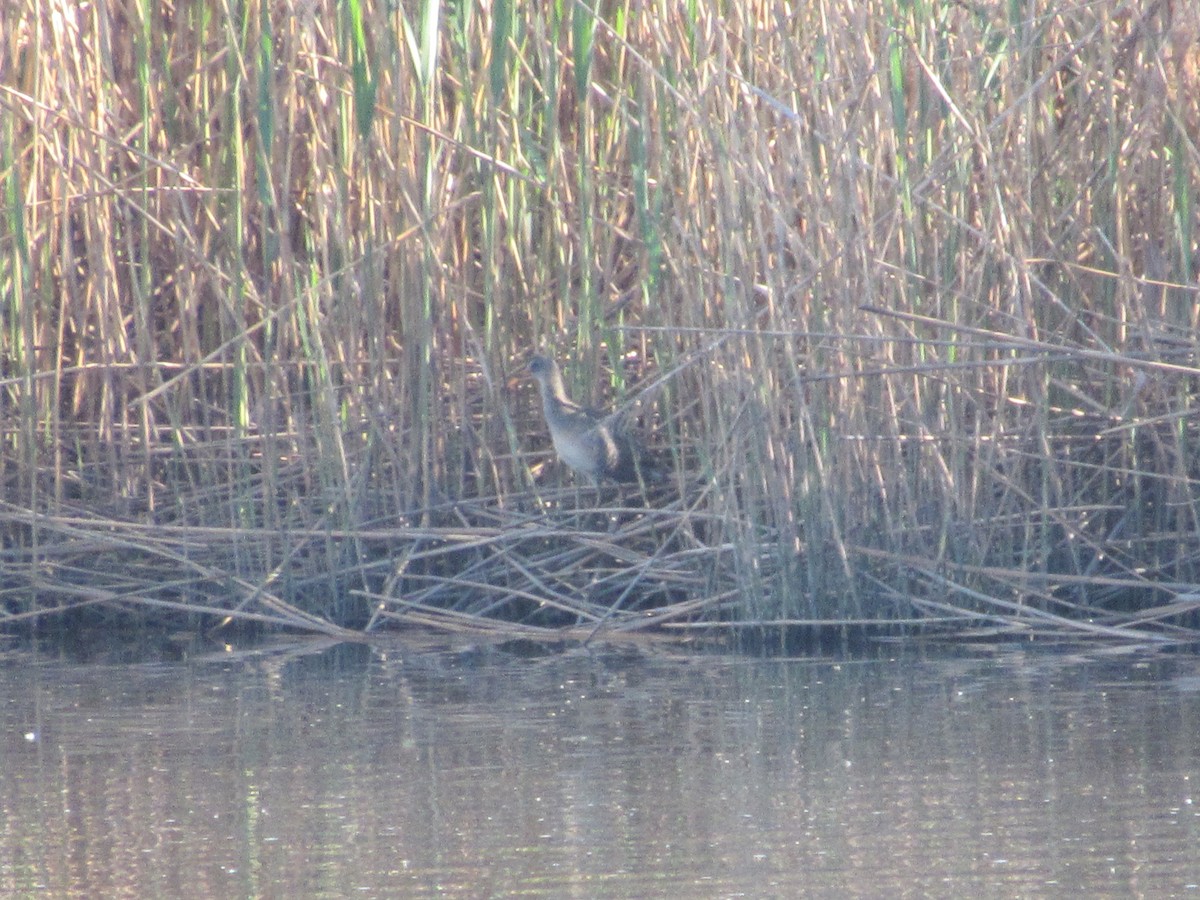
476	772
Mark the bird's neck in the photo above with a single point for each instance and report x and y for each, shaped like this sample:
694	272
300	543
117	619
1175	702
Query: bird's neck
553	387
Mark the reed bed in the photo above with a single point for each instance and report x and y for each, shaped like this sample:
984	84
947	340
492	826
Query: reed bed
905	295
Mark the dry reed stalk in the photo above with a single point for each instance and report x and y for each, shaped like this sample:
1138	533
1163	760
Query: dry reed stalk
917	293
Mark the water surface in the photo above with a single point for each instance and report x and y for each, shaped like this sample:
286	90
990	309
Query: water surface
475	771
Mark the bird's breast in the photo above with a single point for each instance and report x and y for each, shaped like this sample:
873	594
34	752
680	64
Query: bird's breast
577	453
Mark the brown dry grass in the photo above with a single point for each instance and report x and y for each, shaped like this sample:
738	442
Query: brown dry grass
923	285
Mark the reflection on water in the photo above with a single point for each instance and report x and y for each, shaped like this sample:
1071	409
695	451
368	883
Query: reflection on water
475	772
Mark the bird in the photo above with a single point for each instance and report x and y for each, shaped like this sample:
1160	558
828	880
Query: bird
595	445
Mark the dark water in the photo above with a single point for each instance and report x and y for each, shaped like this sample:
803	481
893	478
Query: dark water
403	772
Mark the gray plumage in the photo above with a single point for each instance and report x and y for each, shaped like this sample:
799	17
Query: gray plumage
597	446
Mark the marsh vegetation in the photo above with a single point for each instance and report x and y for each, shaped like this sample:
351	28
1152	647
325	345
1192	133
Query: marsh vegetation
912	288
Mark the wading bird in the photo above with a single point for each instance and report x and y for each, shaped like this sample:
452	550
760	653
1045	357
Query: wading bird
597	446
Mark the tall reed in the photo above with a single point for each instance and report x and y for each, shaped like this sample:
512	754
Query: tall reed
915	285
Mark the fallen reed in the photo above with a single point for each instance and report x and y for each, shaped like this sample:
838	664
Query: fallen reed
912	290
